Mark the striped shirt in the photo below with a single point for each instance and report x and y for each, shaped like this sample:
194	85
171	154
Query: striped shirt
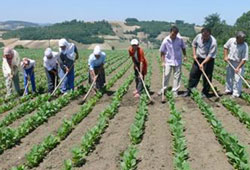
205	48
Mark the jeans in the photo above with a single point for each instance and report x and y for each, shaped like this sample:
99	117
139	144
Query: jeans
68	82
29	73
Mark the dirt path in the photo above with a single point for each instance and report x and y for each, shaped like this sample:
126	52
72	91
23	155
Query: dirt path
115	139
155	150
16	155
204	150
55	158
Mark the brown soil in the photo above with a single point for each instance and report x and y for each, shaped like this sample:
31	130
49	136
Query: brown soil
16	155
55	158
155	150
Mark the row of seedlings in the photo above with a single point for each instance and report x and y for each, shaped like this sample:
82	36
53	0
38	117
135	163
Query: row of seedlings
235	152
9	137
128	158
39	152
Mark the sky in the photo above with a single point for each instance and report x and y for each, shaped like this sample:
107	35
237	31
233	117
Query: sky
54	11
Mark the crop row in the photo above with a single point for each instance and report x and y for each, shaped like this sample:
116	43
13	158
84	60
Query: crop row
10	137
38	152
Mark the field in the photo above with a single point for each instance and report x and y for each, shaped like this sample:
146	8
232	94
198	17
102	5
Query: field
113	130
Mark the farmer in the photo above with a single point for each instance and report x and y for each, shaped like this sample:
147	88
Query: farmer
171	51
50	66
204	51
10	66
28	66
140	64
67	56
96	63
235	52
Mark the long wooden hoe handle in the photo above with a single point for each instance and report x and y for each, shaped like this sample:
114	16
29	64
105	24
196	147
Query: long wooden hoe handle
239	74
86	95
211	85
144	84
163	88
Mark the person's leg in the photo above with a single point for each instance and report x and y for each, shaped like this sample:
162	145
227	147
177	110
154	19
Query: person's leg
194	76
136	79
33	82
25	82
177	79
209	67
229	79
63	88
8	84
71	78
50	80
16	83
237	84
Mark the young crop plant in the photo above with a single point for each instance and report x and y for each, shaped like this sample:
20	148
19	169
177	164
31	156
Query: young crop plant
177	130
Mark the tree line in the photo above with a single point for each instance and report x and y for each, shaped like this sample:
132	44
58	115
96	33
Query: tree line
80	31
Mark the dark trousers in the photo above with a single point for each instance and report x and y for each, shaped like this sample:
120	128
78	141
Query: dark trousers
196	73
51	79
101	80
138	81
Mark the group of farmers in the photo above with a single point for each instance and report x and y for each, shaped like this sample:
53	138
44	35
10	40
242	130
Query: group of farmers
204	48
60	65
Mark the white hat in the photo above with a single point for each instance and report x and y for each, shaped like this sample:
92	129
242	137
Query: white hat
48	52
63	42
97	50
7	51
134	42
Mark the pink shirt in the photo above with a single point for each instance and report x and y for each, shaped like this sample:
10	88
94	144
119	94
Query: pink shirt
173	50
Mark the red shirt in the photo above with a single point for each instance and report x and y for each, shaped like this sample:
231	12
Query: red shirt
141	58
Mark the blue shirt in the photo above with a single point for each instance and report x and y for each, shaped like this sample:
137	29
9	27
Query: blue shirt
94	62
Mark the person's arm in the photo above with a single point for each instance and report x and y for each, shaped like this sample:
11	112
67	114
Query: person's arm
226	55
61	64
163	51
237	69
194	46
226	49
211	54
184	53
243	61
76	51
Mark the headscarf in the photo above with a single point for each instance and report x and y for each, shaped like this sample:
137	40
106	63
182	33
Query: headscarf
69	50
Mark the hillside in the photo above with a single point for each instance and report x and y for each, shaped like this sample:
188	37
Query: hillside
113	34
14	25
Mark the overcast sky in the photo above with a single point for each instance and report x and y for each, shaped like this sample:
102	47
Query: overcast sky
52	11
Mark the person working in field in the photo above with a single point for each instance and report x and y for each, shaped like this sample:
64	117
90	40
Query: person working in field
96	63
204	52
235	52
140	65
171	51
50	66
67	56
28	66
10	66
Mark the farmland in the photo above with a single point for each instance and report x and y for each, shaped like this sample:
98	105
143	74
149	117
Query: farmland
113	130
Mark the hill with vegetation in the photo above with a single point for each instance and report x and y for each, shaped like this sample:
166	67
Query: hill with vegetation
79	31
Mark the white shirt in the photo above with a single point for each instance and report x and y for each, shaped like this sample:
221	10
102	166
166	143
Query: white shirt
31	64
50	64
14	63
94	62
237	52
